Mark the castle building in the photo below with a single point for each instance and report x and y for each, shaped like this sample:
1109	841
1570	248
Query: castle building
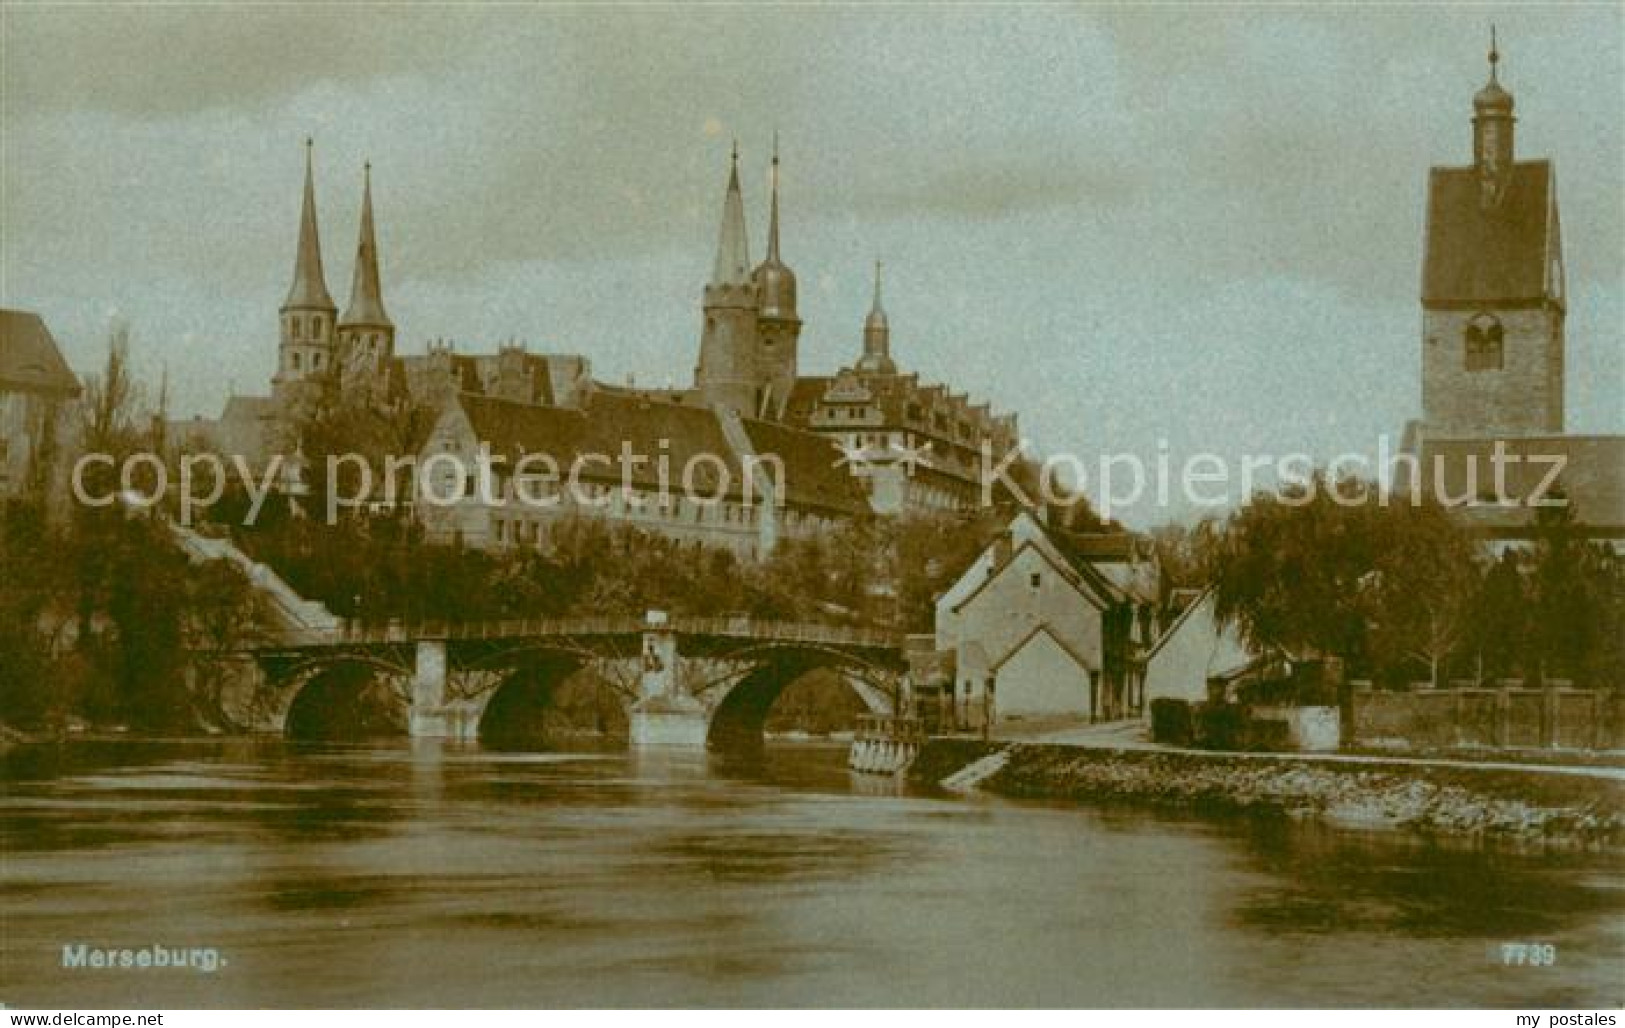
914	446
918	447
870	439
1491	440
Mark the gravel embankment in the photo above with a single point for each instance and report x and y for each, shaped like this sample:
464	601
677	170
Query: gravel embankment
1495	805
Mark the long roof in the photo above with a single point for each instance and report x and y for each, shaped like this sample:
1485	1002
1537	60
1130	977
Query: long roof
685	437
1460	473
30	361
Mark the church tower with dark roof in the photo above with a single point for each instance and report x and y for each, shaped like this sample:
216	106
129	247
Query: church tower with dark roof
1492	287
726	374
778	326
305	353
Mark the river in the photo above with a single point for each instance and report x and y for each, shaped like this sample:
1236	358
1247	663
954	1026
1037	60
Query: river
423	875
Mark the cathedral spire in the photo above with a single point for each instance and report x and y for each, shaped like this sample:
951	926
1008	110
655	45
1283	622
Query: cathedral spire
733	251
309	289
366	294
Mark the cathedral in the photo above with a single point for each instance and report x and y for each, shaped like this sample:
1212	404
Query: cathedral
869	439
1493	310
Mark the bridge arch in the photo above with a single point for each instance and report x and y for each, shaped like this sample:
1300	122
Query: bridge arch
546	693
740	712
342	697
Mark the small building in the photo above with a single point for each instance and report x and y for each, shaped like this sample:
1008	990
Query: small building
37	390
1193	651
1045	623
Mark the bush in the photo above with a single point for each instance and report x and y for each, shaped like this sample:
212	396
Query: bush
1171	721
1221	726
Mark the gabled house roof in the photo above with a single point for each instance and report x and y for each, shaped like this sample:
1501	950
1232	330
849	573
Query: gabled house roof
30	361
1085	580
1039	628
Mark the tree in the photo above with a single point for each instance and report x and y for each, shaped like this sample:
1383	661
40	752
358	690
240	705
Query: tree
1372	583
1422	589
1184	559
1498	622
1289	570
1575	598
29	587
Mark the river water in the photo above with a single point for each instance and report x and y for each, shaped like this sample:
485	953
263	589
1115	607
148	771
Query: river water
422	875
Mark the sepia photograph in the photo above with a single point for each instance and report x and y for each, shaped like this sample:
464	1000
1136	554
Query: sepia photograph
727	507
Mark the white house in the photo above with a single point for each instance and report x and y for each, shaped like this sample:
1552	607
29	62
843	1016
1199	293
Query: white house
1194	649
1045	623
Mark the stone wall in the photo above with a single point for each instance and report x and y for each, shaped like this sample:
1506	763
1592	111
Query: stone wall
1505	718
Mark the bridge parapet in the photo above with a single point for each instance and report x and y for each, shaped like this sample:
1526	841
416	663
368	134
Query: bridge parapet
350	633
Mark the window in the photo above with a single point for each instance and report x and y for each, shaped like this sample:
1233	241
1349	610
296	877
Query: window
298	365
1482	343
1036	580
316	325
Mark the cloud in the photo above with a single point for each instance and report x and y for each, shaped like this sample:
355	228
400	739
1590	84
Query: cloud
147	61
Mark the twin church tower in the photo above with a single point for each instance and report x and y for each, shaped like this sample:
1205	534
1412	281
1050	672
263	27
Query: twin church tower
317	344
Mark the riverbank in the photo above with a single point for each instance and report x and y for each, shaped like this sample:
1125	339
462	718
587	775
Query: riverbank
1493	804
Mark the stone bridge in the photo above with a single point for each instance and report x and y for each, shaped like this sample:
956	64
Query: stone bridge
682	681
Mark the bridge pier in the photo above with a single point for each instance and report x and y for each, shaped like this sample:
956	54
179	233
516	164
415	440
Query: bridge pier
430	716
665	714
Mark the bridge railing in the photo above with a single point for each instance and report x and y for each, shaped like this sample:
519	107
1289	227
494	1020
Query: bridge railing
354	633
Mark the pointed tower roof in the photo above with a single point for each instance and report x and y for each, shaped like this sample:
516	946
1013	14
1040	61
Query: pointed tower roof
775	282
733	251
309	289
877	313
877	337
366	295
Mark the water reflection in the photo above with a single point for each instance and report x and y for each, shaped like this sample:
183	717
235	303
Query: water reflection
413	874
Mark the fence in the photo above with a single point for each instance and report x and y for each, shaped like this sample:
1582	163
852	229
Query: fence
1499	718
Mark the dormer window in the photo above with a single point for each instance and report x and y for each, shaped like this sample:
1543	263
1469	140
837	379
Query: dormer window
1482	343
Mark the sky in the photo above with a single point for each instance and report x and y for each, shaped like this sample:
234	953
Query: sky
1142	228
